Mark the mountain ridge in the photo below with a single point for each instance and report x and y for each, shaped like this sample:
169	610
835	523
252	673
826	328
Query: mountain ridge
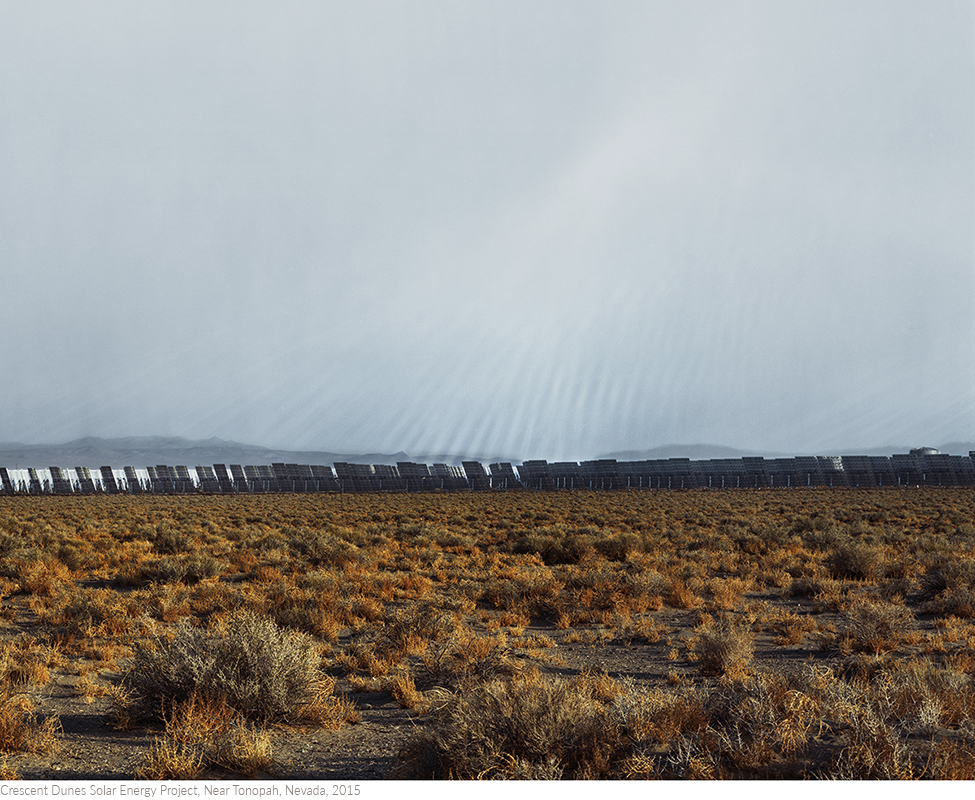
141	451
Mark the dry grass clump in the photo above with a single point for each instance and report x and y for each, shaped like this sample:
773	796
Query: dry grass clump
86	614
184	569
856	560
203	732
262	671
7	771
466	658
413	628
726	593
171	760
876	627
527	590
761	726
648	583
754	725
26	662
245	749
22	729
679	595
772	725
525	728
86	688
949	588
724	648
41	577
405	693
558	545
874	751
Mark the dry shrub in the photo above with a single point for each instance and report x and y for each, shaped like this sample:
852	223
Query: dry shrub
414	585
560	546
680	596
598	685
90	613
874	750
25	662
831	595
927	696
330	710
404	692
856	561
263	671
183	569
799	713
168	759
201	732
22	730
526	591
302	608
466	658
14	720
169	603
244	749
639	767
619	547
949	588
199	718
792	628
752	726
725	593
192	723
41	577
643	629
325	548
267	575
7	771
877	628
952	760
526	728
647	583
413	628
356	657
662	717
86	688
725	648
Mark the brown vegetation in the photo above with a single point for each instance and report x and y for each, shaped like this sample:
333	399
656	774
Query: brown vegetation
744	634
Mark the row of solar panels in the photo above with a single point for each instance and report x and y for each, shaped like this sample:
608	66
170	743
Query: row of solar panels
672	473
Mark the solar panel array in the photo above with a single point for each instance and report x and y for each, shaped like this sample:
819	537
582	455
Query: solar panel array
60	482
133	483
109	484
918	468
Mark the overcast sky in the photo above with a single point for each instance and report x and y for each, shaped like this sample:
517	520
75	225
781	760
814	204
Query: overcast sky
533	229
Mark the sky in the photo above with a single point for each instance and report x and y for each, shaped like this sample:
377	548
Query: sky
538	229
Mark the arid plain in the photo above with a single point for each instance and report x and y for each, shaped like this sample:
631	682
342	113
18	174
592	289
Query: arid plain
545	635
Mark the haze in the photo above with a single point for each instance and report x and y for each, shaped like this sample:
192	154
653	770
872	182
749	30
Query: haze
539	229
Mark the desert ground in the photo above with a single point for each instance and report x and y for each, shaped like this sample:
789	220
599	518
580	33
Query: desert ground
510	635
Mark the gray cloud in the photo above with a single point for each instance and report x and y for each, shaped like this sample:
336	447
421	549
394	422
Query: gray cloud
546	229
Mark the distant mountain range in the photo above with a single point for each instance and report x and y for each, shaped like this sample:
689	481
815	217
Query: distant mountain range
143	451
694	451
706	451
